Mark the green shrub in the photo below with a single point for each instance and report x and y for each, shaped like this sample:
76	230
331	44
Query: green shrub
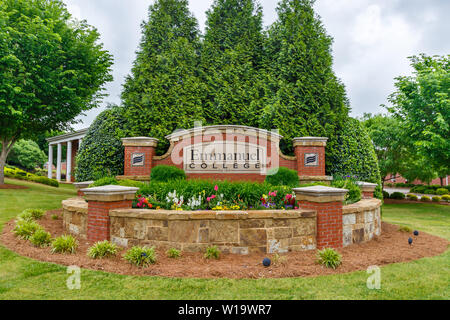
412	197
446	198
31	214
397	196
353	153
131	183
167	173
212	253
425	199
430	191
45	180
55	217
141	256
405	229
442	191
105	181
173	253
354	191
102	249
283	177
41	238
64	244
437	199
102	153
25	229
385	195
329	258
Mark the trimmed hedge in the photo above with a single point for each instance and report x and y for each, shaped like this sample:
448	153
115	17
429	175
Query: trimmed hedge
355	155
283	177
397	196
167	173
102	153
15	173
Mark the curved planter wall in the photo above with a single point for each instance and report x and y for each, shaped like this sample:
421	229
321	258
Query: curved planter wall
236	232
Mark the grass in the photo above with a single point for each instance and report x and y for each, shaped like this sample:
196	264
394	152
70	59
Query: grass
23	278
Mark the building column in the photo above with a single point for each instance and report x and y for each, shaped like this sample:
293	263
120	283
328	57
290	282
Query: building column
50	162
58	162
69	162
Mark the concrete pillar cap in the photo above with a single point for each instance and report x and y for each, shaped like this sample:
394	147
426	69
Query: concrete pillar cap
82	185
367	186
320	194
310	141
140	142
110	193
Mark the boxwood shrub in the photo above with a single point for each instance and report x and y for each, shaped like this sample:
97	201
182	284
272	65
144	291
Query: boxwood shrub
442	191
167	173
397	196
102	154
283	177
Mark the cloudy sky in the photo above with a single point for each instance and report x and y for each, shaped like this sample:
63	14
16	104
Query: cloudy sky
372	39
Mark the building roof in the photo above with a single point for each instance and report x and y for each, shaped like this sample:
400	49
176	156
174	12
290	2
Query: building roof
71	136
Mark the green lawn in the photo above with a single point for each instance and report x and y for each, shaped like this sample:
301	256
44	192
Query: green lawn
22	278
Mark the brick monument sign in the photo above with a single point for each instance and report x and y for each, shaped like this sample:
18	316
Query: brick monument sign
234	153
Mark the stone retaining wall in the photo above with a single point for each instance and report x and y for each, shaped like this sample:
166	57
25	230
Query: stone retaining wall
233	232
361	221
237	232
75	216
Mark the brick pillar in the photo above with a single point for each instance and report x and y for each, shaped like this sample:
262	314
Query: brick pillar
310	154
328	203
100	201
139	154
367	189
82	185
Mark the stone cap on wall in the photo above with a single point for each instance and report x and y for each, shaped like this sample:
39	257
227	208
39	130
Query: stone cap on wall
140	142
82	185
110	193
233	129
362	206
320	194
367	186
310	142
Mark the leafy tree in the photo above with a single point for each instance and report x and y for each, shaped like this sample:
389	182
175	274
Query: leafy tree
232	62
304	97
391	151
26	154
422	105
102	153
164	92
52	68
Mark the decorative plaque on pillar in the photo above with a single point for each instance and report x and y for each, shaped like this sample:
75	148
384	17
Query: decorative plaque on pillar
137	159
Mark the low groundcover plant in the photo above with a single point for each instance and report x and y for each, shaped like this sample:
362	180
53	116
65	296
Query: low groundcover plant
102	249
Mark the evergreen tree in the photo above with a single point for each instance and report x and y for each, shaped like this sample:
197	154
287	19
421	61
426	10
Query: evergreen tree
304	97
164	92
232	59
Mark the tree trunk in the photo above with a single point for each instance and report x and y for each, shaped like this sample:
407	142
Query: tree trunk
6	148
442	181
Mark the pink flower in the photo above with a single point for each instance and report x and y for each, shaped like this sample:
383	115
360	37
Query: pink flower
216	188
208	199
213	196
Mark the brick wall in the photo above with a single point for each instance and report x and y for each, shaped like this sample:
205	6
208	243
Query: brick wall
303	170
145	170
329	223
98	226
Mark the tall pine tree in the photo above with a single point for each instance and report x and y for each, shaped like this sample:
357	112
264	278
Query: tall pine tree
232	60
304	97
165	92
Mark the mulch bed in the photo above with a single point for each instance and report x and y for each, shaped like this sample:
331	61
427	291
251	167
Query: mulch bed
391	247
11	187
